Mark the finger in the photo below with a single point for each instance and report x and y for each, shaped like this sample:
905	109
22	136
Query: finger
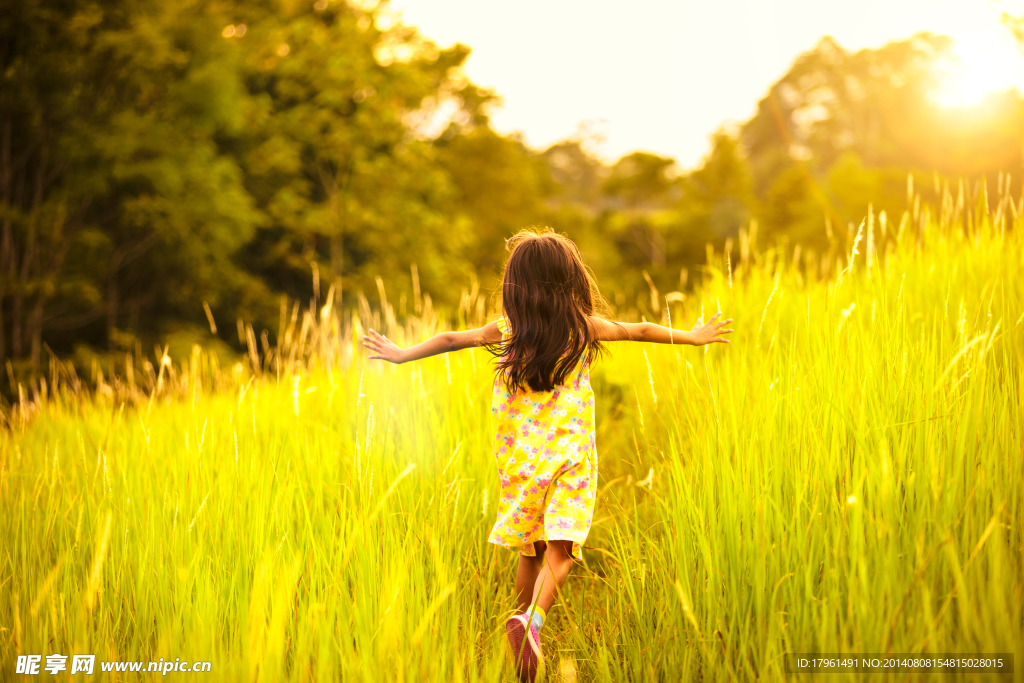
714	318
723	323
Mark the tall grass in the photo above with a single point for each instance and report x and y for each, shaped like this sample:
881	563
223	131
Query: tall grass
847	476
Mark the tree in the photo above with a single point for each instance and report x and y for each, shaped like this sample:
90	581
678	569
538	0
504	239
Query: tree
831	102
577	177
840	131
638	185
500	188
719	193
340	150
108	118
641	180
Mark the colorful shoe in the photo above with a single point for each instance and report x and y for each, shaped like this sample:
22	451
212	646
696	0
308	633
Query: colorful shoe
524	640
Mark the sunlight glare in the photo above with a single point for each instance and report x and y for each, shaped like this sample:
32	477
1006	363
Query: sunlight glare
985	61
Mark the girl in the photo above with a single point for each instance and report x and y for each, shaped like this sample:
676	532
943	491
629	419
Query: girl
542	414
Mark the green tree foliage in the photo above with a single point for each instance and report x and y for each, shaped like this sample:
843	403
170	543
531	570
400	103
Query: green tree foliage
158	156
717	199
336	151
577	177
118	207
639	187
500	187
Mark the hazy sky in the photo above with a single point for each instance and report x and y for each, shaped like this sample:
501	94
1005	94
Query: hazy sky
663	75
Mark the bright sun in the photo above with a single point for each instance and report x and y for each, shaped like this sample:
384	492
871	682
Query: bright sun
986	61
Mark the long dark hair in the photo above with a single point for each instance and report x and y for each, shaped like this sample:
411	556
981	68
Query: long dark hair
547	295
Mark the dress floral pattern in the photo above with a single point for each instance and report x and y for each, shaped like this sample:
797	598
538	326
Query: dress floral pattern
547	460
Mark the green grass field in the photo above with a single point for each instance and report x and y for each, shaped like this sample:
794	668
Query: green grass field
846	476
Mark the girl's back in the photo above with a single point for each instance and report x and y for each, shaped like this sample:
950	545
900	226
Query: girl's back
547	460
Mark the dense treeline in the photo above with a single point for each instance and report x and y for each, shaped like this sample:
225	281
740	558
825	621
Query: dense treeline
158	158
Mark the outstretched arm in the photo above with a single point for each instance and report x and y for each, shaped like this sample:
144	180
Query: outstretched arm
383	348
701	334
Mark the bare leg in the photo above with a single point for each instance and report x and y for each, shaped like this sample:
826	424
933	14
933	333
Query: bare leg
557	562
523	640
526	577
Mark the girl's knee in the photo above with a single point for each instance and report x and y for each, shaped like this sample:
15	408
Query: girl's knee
556	553
537	559
560	552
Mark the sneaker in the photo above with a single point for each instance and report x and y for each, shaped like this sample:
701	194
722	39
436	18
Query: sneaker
524	640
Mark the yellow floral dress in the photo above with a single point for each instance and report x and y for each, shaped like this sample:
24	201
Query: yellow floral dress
547	459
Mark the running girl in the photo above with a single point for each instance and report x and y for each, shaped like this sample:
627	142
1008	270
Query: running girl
542	415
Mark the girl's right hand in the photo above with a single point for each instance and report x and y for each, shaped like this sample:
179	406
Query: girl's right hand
382	347
707	333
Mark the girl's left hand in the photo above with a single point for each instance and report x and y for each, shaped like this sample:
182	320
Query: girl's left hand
382	347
